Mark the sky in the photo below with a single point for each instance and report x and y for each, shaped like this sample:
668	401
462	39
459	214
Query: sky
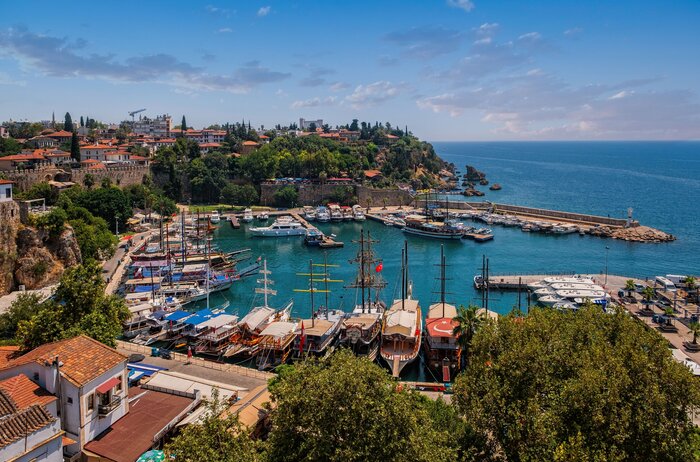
448	69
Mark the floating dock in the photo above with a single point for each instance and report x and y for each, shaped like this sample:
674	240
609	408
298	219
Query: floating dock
327	243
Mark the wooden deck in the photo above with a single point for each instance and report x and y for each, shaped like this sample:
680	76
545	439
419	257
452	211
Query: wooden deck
328	242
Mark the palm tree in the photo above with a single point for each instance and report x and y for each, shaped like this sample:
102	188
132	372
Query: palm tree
690	285
695	329
468	323
669	316
629	287
648	293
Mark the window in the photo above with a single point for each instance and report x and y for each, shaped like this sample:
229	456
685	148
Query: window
36	376
118	388
69	400
90	402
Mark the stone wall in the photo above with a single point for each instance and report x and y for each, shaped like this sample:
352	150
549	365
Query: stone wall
121	175
316	194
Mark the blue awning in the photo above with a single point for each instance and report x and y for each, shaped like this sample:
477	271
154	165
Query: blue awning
178	315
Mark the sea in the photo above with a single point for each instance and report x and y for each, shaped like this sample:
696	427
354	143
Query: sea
659	181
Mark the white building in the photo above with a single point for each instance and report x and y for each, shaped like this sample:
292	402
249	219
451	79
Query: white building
5	190
96	152
88	378
30	427
306	124
158	127
4	132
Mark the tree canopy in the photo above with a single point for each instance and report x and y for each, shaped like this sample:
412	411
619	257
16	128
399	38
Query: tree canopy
578	386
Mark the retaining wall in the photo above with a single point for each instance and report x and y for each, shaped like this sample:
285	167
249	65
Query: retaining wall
315	194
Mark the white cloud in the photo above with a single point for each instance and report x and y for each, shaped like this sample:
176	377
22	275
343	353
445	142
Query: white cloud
573	32
374	93
264	11
339	86
5	79
530	37
314	102
466	5
621	94
225	30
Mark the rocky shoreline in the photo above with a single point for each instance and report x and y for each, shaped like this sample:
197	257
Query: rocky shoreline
633	234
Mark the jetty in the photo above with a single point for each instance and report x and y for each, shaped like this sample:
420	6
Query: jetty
327	243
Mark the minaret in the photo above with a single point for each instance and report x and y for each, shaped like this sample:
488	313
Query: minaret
53	120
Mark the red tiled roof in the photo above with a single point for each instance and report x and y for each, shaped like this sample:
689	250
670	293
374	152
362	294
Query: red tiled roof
24	392
7	352
90	161
250	143
60	134
133	157
132	435
83	358
23	157
98	146
5	182
210	145
392	137
372	173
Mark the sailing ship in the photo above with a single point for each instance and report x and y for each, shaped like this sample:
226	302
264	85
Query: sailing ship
440	345
360	329
245	342
403	325
317	336
423	226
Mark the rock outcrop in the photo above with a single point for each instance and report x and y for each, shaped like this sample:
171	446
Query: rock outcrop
31	257
474	175
632	234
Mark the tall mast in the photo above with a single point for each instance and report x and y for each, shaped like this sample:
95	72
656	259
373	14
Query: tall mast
405	244
311	290
362	267
208	266
182	238
442	278
266	284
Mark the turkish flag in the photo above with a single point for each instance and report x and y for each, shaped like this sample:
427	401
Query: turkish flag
379	268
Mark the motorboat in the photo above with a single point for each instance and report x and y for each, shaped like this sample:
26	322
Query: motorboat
358	214
215	217
323	215
309	213
247	216
420	226
283	226
263	216
313	237
335	212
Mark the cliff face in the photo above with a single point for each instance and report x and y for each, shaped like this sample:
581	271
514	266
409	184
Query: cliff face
9	224
31	257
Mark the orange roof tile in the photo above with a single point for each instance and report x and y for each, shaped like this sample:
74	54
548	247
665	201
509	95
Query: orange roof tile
7	352
23	157
133	157
24	392
60	134
83	358
250	143
372	173
210	145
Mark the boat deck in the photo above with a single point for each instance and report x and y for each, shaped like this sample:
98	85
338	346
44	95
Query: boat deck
327	243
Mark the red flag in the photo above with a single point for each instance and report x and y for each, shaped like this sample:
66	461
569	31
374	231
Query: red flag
379	268
302	338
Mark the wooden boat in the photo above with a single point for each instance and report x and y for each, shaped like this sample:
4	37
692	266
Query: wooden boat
276	344
440	344
402	326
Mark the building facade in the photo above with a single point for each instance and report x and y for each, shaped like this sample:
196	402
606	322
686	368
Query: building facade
161	126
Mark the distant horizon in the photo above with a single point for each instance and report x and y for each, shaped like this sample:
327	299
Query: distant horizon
451	69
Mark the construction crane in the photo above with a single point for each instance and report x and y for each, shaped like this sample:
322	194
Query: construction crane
133	113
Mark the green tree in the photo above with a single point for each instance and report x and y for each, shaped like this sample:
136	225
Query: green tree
183	125
82	121
649	293
629	287
68	123
89	180
219	437
53	222
691	287
468	322
694	327
288	196
348	409
9	146
584	385
79	306
22	309
41	190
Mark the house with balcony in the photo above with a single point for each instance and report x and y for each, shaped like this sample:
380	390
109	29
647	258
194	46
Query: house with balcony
89	380
30	426
26	160
96	152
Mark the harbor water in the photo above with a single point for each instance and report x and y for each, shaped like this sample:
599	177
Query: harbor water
659	180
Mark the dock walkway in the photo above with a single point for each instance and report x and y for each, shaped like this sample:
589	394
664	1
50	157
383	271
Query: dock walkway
327	243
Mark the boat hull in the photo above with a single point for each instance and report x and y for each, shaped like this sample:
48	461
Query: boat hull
419	232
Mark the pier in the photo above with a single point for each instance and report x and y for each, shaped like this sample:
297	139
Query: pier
327	243
507	282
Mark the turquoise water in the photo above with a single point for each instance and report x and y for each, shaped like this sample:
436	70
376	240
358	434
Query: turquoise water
659	180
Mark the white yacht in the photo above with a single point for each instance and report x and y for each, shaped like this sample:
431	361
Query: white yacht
247	216
215	217
309	213
263	216
323	215
358	214
283	226
336	213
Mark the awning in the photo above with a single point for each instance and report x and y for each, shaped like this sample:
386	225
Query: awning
67	441
108	385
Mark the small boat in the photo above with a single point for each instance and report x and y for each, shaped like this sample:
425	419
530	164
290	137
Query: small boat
347	213
399	223
283	226
309	213
313	237
358	214
276	344
421	227
323	215
336	212
247	216
215	217
263	216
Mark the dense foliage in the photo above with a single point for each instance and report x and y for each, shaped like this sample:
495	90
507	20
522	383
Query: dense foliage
578	386
79	306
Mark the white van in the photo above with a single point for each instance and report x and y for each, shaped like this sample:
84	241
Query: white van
665	284
675	278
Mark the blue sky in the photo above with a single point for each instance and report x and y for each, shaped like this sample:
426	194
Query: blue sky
449	69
